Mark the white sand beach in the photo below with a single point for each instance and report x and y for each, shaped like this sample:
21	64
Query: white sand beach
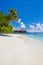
18	49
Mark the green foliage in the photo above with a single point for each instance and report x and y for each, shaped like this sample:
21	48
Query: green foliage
5	20
12	14
5	29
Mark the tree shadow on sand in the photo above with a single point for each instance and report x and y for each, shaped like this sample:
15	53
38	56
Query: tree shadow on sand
5	35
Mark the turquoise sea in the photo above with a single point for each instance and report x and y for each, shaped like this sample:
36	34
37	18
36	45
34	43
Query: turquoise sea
38	36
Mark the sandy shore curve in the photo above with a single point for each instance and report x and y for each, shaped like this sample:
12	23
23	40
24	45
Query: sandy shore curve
16	49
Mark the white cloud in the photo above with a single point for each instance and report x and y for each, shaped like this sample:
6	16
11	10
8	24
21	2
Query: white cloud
42	25
39	27
22	25
36	28
19	20
31	26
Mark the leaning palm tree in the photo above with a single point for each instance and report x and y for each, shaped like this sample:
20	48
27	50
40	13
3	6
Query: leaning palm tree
12	15
5	27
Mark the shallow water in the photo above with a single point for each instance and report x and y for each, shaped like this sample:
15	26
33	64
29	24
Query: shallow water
38	37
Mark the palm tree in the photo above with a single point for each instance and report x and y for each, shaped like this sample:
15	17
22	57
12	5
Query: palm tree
5	27
12	15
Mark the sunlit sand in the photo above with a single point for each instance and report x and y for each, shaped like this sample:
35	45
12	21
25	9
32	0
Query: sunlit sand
18	49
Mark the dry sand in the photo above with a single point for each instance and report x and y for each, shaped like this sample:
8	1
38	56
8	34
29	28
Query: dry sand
20	50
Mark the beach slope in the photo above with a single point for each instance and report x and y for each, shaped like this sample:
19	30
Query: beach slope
18	49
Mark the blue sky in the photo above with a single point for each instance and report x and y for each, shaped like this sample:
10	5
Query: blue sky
30	11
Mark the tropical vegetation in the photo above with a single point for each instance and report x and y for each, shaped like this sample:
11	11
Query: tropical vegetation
5	20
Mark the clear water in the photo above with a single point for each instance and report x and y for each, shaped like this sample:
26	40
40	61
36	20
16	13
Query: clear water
38	37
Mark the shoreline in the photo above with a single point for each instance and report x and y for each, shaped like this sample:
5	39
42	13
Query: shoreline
16	49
